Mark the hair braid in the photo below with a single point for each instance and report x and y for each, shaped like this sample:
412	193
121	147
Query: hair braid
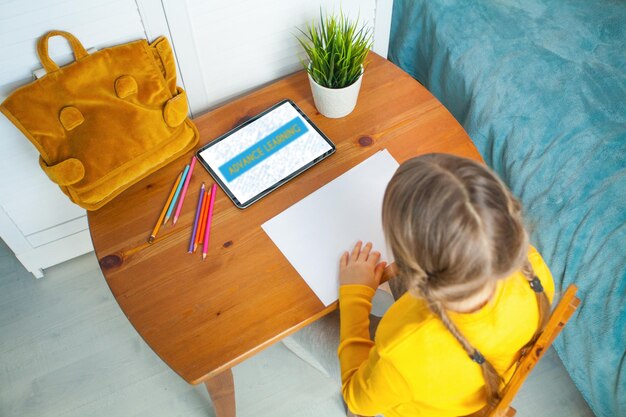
493	380
542	301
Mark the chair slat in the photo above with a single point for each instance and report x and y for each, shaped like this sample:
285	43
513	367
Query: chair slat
560	316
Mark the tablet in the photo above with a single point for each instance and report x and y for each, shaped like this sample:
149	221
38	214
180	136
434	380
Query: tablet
265	152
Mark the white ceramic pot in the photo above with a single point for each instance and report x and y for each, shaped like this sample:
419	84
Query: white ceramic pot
335	102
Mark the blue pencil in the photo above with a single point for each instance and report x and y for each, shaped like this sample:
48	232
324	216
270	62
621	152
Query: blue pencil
195	222
173	203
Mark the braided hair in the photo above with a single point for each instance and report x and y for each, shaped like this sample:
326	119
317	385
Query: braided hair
455	229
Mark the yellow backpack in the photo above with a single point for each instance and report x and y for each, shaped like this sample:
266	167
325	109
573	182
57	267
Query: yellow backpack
106	120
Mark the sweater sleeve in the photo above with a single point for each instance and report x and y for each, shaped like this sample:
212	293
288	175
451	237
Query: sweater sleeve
355	305
370	384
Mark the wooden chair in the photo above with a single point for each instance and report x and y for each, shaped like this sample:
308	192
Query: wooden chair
561	314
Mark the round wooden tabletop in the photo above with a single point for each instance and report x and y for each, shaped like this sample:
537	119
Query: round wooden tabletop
203	317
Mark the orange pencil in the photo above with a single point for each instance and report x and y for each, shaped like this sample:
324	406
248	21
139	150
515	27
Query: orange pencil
167	205
207	232
203	214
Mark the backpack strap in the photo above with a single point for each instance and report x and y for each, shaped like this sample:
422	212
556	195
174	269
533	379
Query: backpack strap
42	49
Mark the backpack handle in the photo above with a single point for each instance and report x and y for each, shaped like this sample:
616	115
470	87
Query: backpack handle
42	49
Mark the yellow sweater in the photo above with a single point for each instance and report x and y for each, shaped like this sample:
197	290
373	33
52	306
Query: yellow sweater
416	367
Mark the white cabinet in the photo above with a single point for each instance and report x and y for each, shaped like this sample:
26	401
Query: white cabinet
223	49
37	220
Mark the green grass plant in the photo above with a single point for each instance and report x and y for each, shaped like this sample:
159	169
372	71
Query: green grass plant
336	48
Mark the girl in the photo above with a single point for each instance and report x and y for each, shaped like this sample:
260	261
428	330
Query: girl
474	296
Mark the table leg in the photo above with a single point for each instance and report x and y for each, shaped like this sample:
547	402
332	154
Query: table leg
222	391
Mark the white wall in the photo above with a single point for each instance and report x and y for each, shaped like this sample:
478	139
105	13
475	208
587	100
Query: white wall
225	49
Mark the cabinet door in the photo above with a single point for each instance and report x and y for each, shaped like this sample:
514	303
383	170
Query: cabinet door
225	49
37	221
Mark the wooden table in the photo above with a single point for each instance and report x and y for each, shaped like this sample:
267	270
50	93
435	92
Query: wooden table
202	318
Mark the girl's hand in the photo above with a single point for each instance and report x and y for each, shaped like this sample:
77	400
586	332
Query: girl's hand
361	266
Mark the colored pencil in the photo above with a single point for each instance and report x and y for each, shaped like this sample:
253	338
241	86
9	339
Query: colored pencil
180	186
203	217
192	241
167	204
207	232
203	213
183	194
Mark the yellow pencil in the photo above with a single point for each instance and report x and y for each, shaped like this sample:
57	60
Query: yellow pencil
167	205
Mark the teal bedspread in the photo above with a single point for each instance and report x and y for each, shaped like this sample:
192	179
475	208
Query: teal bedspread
540	87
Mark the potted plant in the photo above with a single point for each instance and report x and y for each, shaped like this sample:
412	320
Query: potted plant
336	49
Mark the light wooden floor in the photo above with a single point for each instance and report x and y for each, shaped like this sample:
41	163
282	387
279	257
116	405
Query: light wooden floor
67	350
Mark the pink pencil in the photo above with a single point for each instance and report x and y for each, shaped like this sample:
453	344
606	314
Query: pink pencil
207	232
184	192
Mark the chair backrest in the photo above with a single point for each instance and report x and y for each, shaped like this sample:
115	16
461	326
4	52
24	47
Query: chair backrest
561	314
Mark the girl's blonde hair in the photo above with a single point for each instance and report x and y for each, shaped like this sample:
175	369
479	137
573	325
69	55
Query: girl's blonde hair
454	227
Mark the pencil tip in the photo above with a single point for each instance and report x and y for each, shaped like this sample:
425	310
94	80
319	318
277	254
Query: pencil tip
151	239
165	221
203	256
175	220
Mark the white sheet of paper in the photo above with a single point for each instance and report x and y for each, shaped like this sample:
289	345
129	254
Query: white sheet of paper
314	232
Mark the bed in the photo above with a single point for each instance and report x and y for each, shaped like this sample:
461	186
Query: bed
540	87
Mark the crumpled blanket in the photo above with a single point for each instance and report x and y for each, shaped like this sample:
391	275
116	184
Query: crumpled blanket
540	87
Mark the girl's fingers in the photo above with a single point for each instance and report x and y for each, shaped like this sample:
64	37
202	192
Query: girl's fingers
365	252
344	259
374	258
356	250
379	270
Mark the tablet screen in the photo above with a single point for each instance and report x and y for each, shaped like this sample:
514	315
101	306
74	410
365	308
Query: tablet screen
265	152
